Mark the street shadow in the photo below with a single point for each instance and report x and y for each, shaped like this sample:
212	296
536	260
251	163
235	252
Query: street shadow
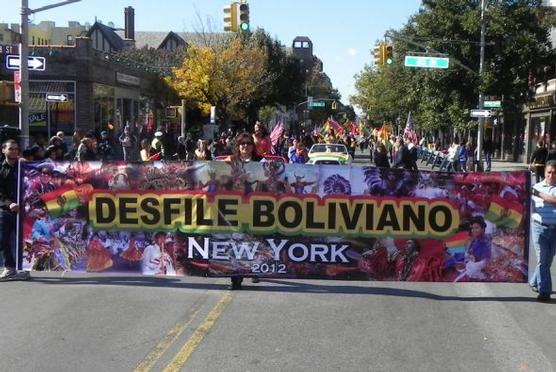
279	286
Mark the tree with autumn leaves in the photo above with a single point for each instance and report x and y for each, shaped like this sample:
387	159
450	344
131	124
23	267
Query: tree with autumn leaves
234	75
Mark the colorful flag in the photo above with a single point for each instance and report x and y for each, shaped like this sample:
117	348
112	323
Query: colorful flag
60	201
335	125
409	134
456	244
504	212
277	133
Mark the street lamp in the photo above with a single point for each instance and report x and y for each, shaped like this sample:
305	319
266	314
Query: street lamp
23	65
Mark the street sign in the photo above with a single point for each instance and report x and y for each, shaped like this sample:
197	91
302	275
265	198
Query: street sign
317	104
51	97
493	104
427	62
481	113
17	86
9	49
34	63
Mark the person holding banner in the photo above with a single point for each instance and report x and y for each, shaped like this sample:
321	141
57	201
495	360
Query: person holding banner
244	152
8	206
543	231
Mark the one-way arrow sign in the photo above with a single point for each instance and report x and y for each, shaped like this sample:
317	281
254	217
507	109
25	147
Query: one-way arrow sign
56	98
481	113
34	63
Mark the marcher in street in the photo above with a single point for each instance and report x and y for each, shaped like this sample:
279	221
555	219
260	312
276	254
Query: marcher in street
543	231
244	152
105	151
8	206
538	159
87	150
381	156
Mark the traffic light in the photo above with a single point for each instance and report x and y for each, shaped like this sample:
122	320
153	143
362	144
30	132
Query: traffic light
388	54
243	17
231	18
379	54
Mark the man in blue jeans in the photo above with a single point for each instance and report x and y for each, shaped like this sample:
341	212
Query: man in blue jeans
543	231
8	206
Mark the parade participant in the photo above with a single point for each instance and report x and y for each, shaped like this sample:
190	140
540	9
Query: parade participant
105	150
244	152
87	150
202	152
298	154
538	159
381	156
400	155
8	206
544	231
146	151
263	144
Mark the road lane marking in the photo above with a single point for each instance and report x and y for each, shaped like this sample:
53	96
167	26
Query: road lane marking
197	337
152	358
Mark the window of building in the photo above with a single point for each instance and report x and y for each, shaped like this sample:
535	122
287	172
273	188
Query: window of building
1	37
33	40
69	40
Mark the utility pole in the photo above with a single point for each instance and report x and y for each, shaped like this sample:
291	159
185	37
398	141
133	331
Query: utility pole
24	75
24	68
480	131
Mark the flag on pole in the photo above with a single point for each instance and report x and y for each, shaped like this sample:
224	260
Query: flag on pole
335	125
409	134
275	136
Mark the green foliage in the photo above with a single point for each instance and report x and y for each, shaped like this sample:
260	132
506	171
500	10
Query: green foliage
518	49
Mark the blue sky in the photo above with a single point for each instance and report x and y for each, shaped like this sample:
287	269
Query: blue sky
343	32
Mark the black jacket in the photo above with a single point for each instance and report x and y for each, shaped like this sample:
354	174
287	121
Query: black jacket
8	185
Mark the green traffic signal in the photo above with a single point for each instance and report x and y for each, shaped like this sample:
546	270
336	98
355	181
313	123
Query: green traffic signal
243	17
389	55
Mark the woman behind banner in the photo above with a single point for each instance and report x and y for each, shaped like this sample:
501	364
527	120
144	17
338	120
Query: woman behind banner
543	231
244	152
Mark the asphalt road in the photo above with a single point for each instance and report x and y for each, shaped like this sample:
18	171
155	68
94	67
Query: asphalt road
88	323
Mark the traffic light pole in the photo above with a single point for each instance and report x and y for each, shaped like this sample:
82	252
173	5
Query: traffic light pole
480	131
24	66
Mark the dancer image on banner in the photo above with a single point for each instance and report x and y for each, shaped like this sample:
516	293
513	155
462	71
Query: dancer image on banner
156	261
298	186
477	252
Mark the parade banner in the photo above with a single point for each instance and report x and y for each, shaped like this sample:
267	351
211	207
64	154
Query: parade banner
275	220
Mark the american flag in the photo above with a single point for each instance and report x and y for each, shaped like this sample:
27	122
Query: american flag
409	134
275	135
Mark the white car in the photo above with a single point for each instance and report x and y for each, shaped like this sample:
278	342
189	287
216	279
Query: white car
324	153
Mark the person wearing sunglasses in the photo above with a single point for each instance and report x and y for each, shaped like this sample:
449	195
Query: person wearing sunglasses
244	152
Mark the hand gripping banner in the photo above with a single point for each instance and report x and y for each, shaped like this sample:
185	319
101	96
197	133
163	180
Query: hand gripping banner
275	220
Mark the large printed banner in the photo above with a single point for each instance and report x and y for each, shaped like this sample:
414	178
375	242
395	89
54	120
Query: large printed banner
275	220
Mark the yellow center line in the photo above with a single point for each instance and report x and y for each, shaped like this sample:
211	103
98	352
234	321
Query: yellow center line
153	357
197	337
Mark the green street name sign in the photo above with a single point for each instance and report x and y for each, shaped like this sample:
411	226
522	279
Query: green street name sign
317	104
493	104
427	62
